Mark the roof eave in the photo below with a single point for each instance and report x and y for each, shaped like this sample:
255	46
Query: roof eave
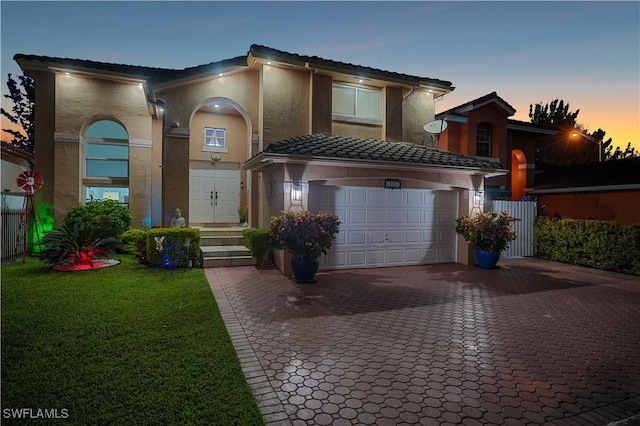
266	159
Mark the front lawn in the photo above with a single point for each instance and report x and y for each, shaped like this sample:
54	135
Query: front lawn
120	345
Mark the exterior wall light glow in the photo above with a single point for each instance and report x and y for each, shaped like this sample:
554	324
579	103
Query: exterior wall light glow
478	198
296	191
220	75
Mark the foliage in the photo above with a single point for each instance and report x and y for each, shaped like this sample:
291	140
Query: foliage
111	212
303	232
489	231
78	244
123	346
22	112
259	242
599	244
172	236
562	149
138	239
242	213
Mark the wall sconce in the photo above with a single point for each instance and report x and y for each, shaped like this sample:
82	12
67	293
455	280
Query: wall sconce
478	198
296	191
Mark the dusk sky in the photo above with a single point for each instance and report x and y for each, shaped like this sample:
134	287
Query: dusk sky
587	53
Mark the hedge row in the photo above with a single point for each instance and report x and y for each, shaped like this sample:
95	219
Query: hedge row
259	242
599	244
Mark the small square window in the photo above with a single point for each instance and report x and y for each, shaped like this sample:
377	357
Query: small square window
215	137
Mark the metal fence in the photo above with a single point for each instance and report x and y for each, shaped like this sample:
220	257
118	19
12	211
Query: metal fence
12	234
526	211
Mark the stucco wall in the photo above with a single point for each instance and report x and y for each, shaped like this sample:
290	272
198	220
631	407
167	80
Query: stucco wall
236	136
322	104
365	131
419	109
285	104
184	100
601	205
43	161
79	102
11	169
393	114
176	177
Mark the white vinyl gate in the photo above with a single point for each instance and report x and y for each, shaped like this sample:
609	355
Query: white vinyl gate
526	211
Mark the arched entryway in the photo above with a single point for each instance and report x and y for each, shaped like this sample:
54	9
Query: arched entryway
518	174
219	142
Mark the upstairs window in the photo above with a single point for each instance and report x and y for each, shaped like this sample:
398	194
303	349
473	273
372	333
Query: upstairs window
357	104
483	141
215	137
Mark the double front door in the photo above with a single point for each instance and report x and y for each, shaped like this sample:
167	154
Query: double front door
215	196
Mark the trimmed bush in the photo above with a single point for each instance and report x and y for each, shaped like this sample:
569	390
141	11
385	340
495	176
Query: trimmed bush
598	244
114	214
172	236
136	240
259	242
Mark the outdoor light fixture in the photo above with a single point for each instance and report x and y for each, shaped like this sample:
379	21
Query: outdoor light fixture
296	191
576	134
478	198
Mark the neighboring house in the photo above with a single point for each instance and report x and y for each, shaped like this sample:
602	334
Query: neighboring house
269	129
605	191
14	162
482	128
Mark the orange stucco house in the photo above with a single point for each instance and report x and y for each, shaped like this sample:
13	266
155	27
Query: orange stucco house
274	131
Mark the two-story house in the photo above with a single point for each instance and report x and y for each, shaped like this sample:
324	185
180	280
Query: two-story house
482	128
271	130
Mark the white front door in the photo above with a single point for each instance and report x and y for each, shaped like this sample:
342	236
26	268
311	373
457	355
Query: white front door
215	196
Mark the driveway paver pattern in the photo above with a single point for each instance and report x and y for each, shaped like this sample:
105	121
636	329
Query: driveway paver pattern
533	342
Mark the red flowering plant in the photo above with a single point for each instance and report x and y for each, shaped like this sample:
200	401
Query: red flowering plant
489	231
304	233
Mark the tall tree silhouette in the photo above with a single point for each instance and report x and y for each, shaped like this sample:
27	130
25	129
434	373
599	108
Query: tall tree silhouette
22	95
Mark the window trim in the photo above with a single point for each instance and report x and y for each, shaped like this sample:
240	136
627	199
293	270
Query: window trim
355	118
487	143
212	148
105	141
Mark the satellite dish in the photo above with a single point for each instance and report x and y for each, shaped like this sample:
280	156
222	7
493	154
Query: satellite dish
435	126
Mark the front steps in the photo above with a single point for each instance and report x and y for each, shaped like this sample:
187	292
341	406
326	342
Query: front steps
223	245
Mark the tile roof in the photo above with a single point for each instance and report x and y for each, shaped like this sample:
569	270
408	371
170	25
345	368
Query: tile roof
362	71
342	147
150	74
161	75
476	103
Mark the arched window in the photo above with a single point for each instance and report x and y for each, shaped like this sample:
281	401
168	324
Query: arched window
483	140
106	173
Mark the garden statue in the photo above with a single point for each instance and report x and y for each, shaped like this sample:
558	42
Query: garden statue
177	221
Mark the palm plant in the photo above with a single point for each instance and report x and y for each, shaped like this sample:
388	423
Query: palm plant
78	244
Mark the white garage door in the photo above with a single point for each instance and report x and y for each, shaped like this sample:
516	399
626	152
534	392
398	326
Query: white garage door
383	227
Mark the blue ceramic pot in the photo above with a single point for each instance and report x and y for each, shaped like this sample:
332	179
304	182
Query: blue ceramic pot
487	259
304	268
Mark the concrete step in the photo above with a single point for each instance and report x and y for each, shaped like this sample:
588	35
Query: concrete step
221	240
224	246
217	262
224	251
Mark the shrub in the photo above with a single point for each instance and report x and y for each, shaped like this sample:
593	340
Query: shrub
304	233
114	214
259	242
79	244
136	239
489	231
599	244
172	236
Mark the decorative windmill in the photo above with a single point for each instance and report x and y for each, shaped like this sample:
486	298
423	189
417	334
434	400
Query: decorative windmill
30	182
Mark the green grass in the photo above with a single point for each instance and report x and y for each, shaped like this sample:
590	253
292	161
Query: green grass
120	345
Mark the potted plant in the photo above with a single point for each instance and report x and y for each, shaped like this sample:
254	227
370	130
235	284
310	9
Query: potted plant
242	214
305	235
489	233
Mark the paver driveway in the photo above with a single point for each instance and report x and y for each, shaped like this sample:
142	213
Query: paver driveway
532	342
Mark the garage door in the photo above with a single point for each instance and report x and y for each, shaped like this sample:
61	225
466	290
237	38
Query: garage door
383	227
